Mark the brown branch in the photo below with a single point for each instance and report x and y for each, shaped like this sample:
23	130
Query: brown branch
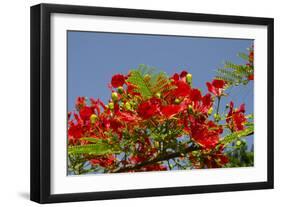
159	158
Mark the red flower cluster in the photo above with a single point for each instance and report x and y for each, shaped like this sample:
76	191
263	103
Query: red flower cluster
149	108
204	132
104	161
137	123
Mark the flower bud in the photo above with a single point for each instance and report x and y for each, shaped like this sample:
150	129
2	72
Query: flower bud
111	105
156	144
217	117
189	78
127	106
133	103
210	111
120	90
93	118
238	143
190	109
177	101
114	96
158	95
147	77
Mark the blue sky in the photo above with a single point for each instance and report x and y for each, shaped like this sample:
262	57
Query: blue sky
93	57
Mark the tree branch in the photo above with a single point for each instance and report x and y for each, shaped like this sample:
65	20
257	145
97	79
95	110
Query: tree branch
155	160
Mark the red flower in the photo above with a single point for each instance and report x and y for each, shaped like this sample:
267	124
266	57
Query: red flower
176	77
236	118
210	160
171	110
80	102
85	113
216	87
251	56
126	116
131	89
204	133
183	75
117	80
204	104
74	131
195	95
183	89
154	167
103	161
149	108
251	77
116	125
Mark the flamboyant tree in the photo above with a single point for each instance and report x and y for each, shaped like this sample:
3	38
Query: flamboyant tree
154	122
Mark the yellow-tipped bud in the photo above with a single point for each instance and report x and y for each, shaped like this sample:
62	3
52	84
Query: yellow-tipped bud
127	106
114	96
177	101
238	143
189	78
158	95
93	118
217	117
111	105
210	111
190	108
120	90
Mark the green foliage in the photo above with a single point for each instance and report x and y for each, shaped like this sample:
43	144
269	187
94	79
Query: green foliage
148	83
236	74
91	139
98	148
240	156
137	79
243	56
237	135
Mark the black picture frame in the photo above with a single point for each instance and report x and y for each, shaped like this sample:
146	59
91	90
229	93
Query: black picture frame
41	96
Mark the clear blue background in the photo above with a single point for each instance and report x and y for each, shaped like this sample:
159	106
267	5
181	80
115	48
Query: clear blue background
93	57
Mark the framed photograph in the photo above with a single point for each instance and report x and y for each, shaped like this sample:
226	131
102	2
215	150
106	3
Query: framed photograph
132	103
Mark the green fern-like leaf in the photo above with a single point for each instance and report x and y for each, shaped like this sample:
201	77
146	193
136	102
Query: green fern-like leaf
236	74
147	82
160	84
243	56
138	80
93	149
231	65
237	135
